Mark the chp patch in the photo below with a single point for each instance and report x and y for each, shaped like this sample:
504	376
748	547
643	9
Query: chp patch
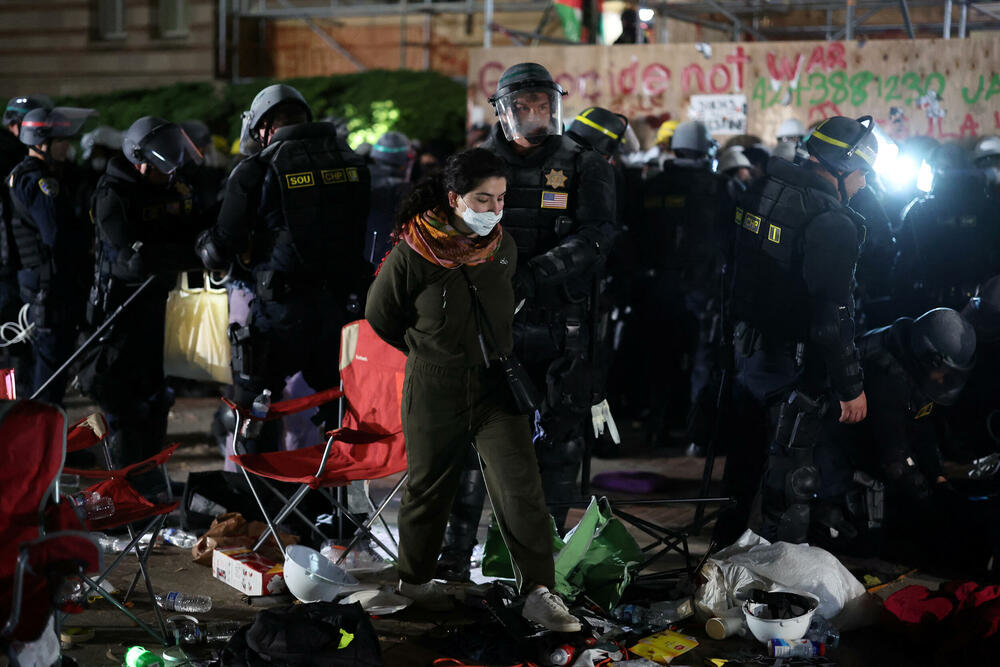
49	186
303	179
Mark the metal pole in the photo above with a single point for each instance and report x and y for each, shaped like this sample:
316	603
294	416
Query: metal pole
236	45
946	31
222	36
849	26
963	18
829	25
487	24
402	34
906	18
427	41
101	329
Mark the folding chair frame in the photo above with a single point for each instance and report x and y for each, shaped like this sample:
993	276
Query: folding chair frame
363	529
154	526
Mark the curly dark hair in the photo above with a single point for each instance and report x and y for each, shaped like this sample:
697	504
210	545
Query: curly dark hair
462	173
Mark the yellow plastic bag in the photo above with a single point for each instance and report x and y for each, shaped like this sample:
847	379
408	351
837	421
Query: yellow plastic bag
196	341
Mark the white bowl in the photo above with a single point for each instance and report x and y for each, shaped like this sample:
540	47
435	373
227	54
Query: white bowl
311	577
773	628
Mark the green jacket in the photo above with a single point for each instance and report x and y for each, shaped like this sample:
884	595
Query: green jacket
425	310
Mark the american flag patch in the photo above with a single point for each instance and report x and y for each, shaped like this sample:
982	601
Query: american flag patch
554	199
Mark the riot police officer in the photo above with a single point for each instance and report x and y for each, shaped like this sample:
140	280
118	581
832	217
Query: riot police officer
910	368
12	151
53	241
146	219
949	240
297	206
680	241
795	255
392	157
560	210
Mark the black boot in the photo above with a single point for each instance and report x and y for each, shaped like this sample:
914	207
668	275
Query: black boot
460	535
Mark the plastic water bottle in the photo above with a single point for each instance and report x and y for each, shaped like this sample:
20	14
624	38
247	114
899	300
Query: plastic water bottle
794	648
138	656
185	604
94	506
179	538
822	630
261	406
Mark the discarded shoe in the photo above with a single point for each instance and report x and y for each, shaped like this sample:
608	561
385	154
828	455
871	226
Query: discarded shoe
430	596
549	611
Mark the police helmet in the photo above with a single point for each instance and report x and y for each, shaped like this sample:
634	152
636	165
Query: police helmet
733	158
843	145
18	106
528	103
155	141
602	130
942	344
791	129
666	131
103	136
263	103
983	311
393	149
198	132
986	148
41	124
692	139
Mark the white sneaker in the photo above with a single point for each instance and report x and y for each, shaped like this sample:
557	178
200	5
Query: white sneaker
549	611
430	596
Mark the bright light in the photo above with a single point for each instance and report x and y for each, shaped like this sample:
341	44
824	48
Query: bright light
888	152
925	177
901	172
646	14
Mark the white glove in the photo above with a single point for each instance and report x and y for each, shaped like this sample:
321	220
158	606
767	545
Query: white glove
601	416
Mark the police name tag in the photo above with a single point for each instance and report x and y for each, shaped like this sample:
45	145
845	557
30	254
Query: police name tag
558	200
302	179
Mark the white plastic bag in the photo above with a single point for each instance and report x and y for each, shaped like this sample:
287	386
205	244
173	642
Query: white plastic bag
754	562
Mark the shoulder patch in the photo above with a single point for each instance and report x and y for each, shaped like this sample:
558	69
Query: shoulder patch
48	186
303	179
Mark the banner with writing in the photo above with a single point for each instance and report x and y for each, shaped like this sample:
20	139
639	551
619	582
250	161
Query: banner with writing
947	89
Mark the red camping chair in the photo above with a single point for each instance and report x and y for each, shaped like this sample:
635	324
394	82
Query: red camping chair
130	508
368	445
42	540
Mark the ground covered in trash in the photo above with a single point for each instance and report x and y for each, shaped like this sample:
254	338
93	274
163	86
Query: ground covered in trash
415	637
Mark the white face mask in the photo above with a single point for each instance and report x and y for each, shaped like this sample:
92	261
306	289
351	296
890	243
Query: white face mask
481	223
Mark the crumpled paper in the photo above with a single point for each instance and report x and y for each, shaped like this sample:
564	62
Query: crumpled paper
232	530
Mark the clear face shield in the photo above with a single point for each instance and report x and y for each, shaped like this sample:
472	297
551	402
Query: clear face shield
530	113
168	148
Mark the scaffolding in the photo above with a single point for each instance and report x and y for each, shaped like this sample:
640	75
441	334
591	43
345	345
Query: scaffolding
740	19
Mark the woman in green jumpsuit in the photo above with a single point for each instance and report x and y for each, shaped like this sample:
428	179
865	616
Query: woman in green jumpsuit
448	236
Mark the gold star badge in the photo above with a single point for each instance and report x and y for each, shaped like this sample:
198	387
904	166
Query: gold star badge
555	178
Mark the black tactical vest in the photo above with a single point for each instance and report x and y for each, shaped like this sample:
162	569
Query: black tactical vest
540	204
31	252
679	230
769	291
325	189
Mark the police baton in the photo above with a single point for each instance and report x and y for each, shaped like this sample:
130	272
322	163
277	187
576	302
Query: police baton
94	336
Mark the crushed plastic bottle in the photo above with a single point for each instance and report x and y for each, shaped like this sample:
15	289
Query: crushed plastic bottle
183	603
189	632
259	409
93	505
179	538
822	630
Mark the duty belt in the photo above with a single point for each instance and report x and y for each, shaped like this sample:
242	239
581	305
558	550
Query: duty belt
747	341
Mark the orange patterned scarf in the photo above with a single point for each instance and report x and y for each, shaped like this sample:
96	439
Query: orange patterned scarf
431	235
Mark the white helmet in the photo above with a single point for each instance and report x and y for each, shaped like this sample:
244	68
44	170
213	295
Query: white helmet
105	136
791	128
733	158
985	148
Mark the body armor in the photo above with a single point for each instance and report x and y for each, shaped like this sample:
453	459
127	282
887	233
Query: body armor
541	202
324	190
681	207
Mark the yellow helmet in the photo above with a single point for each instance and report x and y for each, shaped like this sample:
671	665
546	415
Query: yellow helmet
666	131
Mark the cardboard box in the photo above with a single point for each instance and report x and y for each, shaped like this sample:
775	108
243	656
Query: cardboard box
248	571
